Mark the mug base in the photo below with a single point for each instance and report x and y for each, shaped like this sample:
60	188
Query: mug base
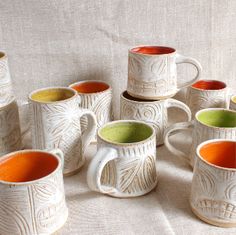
66	217
151	97
74	172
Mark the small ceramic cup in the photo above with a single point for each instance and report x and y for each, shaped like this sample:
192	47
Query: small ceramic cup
233	102
212	123
207	94
6	92
55	123
152	72
32	199
10	132
124	165
153	112
214	183
97	97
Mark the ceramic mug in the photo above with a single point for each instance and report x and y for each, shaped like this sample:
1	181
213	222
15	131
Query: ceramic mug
212	123
152	72
124	165
233	102
153	112
10	132
214	183
97	97
56	115
206	94
32	199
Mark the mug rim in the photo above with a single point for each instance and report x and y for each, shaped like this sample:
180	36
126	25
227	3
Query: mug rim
37	180
90	93
211	164
232	99
51	88
3	55
209	109
210	90
126	144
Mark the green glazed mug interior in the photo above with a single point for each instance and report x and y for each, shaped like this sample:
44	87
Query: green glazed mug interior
122	132
217	118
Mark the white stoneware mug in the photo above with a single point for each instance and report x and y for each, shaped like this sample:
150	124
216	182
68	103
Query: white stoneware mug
124	165
152	72
233	103
96	96
207	94
214	183
10	132
32	199
6	92
153	112
212	123
55	115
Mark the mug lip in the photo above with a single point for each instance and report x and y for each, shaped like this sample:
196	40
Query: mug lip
210	90
52	88
163	47
37	180
126	144
3	55
90	93
209	109
211	164
232	99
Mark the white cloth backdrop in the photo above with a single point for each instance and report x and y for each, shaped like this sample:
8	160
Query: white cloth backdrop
56	42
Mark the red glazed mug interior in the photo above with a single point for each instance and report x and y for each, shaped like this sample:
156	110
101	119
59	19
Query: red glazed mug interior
90	86
152	50
209	85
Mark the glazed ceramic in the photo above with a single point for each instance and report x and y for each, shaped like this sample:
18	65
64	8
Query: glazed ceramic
212	123
124	165
10	132
206	94
32	200
6	93
214	183
153	112
152	72
55	115
233	103
97	97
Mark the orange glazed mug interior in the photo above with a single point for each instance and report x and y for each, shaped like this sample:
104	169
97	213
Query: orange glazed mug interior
90	87
209	85
24	166
220	153
152	50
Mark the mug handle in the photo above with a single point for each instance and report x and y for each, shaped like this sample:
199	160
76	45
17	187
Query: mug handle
175	128
96	166
59	153
180	59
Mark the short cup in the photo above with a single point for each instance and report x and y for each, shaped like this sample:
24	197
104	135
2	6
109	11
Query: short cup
214	183
233	103
124	165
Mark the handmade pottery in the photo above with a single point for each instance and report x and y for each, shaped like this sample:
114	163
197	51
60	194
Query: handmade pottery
153	112
206	94
10	132
124	165
97	97
212	123
233	103
152	72
32	199
55	115
214	183
6	93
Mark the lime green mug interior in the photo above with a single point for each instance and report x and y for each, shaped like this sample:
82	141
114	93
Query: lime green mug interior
125	132
217	118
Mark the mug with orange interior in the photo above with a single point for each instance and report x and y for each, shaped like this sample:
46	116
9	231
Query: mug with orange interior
213	191
32	198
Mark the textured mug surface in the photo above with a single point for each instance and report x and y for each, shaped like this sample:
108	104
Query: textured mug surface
55	115
212	123
32	199
152	72
125	164
206	94
153	112
233	103
214	183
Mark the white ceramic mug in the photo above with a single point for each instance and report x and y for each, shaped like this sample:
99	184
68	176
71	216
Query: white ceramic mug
233	103
207	94
152	72
124	165
153	112
55	115
212	123
213	188
32	198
